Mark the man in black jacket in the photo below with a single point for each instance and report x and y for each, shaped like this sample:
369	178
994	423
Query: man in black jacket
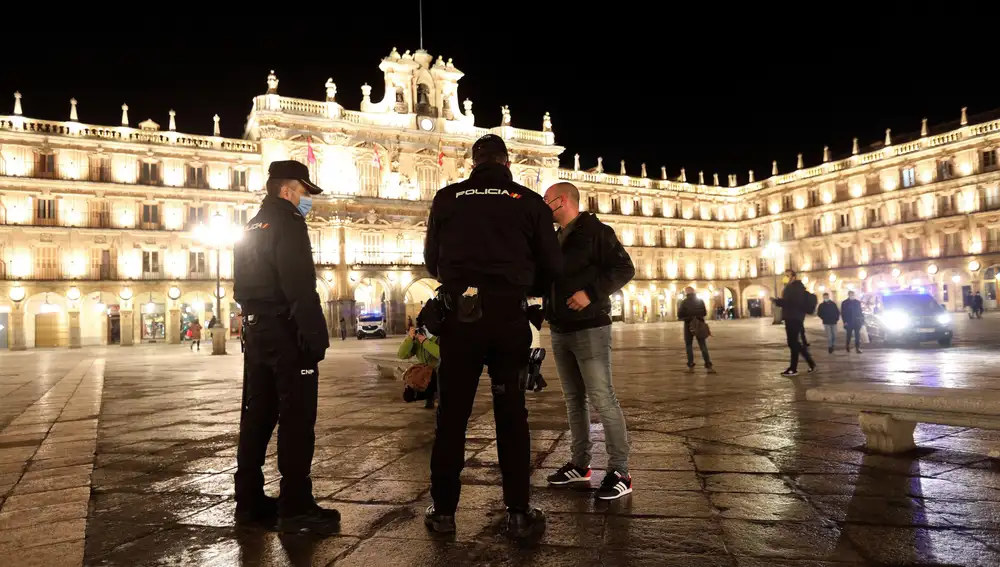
578	308
490	243
286	337
829	314
692	309
854	319
793	311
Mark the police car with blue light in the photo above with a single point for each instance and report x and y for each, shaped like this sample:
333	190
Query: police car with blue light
909	316
371	324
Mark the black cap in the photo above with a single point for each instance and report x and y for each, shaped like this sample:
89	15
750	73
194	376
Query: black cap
291	169
489	148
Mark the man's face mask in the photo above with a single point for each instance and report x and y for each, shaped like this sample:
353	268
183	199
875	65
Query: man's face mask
305	204
549	203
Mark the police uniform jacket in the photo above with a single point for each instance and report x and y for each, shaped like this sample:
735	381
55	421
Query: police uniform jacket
274	272
491	233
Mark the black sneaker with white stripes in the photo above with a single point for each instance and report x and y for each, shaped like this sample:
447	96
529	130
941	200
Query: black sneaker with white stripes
615	486
569	474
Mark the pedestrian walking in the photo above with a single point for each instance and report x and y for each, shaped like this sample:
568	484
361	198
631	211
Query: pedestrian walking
692	312
195	329
794	307
830	315
490	243
854	319
286	338
977	305
343	329
578	309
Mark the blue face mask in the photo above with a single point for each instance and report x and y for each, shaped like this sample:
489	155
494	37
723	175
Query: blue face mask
305	205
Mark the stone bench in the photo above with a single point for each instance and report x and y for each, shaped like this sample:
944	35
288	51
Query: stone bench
889	413
388	366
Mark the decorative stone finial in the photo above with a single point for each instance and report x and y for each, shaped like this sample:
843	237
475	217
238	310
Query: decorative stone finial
684	176
173	121
366	93
407	55
854	147
923	127
215	128
450	64
576	162
600	164
826	154
439	62
701	178
751	176
546	123
888	136
663	172
965	117
715	179
124	115
799	163
272	83
505	115
643	169
331	90
467	105
17	103
622	171
732	180
72	110
393	54
774	167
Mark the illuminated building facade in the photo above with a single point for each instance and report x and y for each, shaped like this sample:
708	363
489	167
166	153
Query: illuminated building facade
116	234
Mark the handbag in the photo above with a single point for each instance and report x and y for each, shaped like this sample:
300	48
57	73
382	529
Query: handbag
699	328
418	376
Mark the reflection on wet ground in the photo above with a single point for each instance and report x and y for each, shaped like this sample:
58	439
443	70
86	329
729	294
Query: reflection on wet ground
731	469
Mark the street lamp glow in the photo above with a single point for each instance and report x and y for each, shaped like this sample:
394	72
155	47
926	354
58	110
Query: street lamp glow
974	266
956	278
16	293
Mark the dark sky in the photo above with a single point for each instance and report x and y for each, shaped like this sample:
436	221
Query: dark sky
706	87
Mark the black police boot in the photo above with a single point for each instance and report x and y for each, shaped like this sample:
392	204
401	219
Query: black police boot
312	520
439	523
261	513
524	524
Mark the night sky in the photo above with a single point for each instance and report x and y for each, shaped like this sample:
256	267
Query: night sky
710	87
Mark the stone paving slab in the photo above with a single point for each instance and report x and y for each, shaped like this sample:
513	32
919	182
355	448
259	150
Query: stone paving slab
113	456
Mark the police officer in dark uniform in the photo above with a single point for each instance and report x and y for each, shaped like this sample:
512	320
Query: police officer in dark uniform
286	337
491	243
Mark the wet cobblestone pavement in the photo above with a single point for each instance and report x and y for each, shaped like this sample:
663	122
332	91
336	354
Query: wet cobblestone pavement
118	456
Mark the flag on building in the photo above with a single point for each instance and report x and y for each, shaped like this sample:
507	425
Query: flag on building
538	179
440	154
310	156
378	158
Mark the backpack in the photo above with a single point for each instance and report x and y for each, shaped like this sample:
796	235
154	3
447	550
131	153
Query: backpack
810	303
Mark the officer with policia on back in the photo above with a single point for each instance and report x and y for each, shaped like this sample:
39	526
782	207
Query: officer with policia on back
491	244
286	337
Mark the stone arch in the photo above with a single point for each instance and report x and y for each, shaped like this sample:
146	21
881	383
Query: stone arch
757	300
416	294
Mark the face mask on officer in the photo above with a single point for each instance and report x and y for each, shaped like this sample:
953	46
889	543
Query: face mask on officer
557	199
297	195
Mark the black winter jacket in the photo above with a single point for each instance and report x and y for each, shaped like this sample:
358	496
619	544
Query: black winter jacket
793	301
489	232
691	308
828	312
851	312
595	262
274	271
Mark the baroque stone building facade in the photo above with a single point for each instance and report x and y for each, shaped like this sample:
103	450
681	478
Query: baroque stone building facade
118	234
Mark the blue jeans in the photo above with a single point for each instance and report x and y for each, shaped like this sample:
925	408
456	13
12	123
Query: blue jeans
583	359
831	335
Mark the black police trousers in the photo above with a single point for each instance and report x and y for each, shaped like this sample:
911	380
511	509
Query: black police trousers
279	387
500	339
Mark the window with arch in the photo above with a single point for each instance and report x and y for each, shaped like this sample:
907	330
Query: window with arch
429	181
369	176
